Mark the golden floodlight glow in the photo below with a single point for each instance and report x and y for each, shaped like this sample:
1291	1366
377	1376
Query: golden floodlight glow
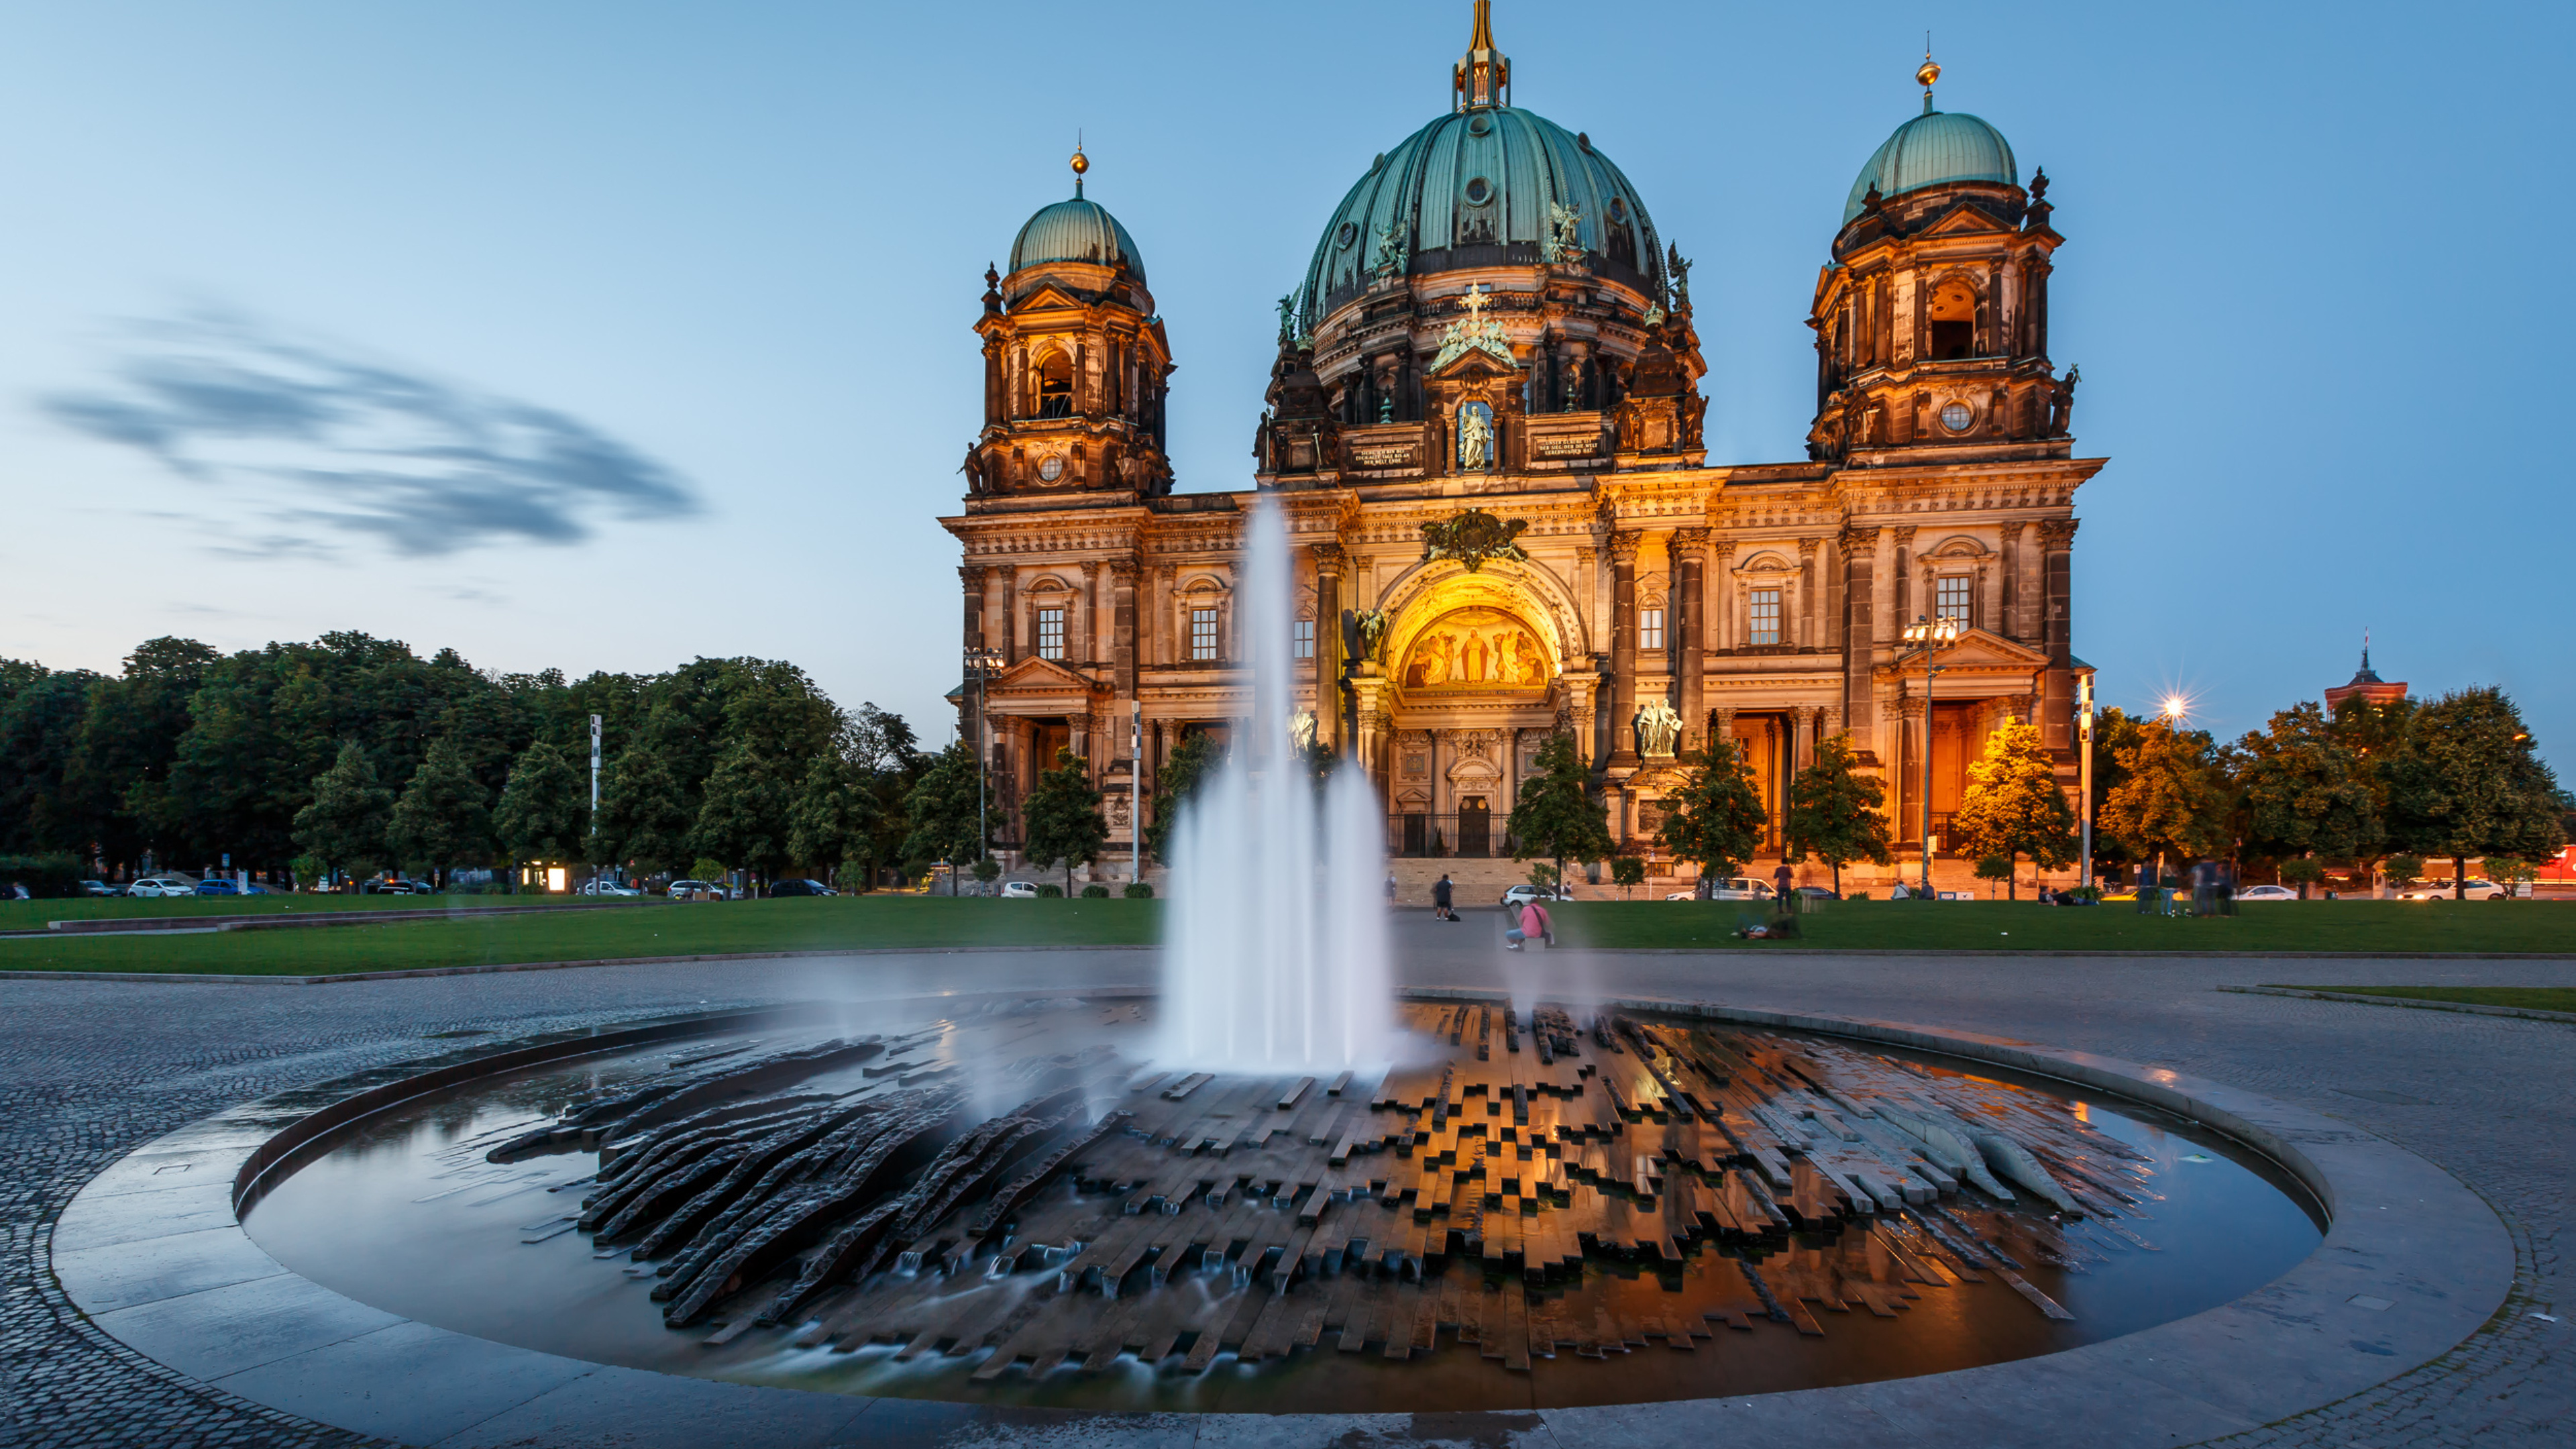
2176	706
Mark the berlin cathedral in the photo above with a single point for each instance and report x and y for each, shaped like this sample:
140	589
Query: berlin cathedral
1483	431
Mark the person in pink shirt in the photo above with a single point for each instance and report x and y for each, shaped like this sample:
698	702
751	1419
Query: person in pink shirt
1534	923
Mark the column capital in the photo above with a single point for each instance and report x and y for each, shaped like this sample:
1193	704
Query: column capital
1858	541
1904	535
1122	570
2057	533
1690	539
1807	547
972	575
1090	569
1623	545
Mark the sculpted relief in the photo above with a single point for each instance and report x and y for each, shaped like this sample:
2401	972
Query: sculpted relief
1475	649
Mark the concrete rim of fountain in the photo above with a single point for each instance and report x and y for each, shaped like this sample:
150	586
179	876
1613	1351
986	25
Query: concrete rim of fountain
152	1251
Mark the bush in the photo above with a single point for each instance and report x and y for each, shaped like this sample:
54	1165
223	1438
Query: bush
1994	867
1095	893
1137	890
1857	896
53	876
1052	891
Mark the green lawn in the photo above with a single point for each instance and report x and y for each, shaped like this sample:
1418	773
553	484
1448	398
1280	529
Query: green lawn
2527	998
2534	926
683	929
32	915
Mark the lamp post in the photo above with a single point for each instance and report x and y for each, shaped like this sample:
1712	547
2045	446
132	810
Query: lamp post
1927	636
2084	772
980	665
1136	792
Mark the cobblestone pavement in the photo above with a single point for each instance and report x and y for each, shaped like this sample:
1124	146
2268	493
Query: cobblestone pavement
88	1070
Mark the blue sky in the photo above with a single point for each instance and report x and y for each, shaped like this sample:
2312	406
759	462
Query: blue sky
602	336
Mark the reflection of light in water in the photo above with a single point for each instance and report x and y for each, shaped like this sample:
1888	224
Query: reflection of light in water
2083	1113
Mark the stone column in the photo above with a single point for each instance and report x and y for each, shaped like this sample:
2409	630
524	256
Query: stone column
1860	653
1329	564
1079	640
1006	631
1623	647
1721	596
1807	593
1907	606
1689	606
1122	624
1802	738
2057	708
1163	627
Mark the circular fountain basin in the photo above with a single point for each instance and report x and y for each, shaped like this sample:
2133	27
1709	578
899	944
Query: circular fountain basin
1010	1205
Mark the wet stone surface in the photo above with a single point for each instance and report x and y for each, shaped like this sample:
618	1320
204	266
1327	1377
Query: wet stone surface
88	1071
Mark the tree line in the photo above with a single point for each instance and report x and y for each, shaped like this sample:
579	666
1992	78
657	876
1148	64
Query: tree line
350	755
2378	788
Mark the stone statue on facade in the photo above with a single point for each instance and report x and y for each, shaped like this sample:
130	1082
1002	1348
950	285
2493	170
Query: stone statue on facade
2061	402
1372	627
1473	537
1658	730
1391	257
1301	730
1563	246
1475	439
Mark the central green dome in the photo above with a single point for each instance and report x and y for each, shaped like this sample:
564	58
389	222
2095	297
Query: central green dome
1473	188
1933	149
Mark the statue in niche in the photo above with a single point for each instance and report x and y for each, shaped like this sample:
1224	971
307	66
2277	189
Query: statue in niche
1658	729
2061	402
1475	437
1372	626
1301	730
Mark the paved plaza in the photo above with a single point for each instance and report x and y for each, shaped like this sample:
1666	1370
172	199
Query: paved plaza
90	1070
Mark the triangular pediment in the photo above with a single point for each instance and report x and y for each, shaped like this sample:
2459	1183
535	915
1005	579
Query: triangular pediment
1047	297
1475	363
1038	676
1963	218
1978	649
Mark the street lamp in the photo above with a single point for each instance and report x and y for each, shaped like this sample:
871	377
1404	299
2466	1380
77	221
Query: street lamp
1927	636
981	664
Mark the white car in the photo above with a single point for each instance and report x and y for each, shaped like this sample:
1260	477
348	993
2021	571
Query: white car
2476	890
606	887
162	885
1729	888
2267	893
1019	890
1521	895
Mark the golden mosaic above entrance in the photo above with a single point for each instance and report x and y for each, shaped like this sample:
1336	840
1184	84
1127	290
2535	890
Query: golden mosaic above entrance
1483	650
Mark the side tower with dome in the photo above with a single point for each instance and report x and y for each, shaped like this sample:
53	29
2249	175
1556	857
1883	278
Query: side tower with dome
1483	426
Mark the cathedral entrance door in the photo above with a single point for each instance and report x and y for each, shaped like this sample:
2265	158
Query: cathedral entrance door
1475	827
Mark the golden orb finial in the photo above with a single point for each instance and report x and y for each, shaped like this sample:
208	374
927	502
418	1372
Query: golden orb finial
1927	73
1080	162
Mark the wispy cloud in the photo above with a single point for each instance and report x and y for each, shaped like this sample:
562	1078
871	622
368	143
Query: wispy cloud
318	441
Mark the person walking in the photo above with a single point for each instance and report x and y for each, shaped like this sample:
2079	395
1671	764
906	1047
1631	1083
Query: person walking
1390	888
1440	892
1782	879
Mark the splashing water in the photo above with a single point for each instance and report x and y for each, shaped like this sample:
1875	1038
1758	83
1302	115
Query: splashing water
1277	956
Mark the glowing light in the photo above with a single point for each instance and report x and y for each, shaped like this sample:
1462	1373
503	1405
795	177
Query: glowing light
2176	706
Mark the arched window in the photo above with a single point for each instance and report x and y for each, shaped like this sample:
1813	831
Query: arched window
1954	320
1055	386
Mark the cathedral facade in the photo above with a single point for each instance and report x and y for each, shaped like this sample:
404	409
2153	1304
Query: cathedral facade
1483	430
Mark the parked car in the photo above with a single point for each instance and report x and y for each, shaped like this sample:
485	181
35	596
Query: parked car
690	890
1818	893
390	888
1019	890
100	888
156	886
215	885
606	887
1521	895
2476	890
800	888
2267	893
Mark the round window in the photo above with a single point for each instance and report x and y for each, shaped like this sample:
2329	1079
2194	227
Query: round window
1479	124
1956	417
1050	469
1618	209
1479	191
1348	234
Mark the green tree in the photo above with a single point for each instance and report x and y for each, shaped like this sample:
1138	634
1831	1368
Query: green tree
2304	790
645	814
1627	873
539	817
344	823
2115	736
942	808
2302	871
42	808
1717	817
1836	813
444	818
834	817
2470	784
1192	763
744	818
1062	815
1556	817
130	739
2172	806
2401	870
2013	806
